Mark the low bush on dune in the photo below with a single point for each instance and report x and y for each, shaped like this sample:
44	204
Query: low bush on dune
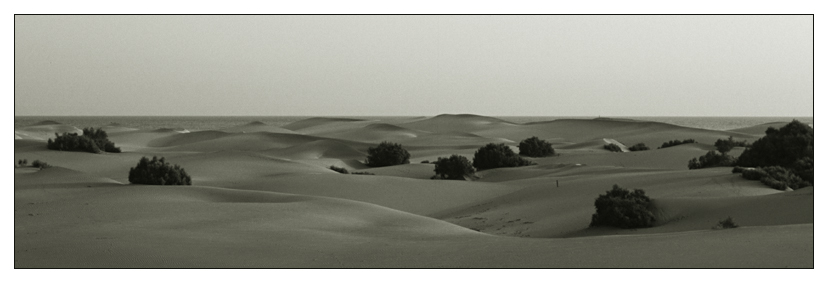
624	209
612	147
724	146
455	167
639	147
362	173
711	159
94	141
676	142
535	147
387	154
726	224
775	177
158	172
40	164
497	156
339	169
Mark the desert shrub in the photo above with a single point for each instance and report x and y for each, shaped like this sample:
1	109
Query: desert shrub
624	209
711	159
676	142
804	168
754	174
612	147
726	224
781	178
425	162
158	172
92	140
639	147
724	146
497	156
535	147
776	177
339	169
362	173
387	154
40	164
791	146
455	167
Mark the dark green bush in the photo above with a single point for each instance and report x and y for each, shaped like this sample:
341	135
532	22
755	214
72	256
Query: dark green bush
711	159
92	140
497	156
776	177
40	164
622	208
362	173
612	147
387	154
535	147
791	146
753	174
158	172
781	178
638	147
676	142
339	169
804	168
724	146
455	167
726	224
424	162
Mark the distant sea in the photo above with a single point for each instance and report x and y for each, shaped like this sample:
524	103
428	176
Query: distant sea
197	123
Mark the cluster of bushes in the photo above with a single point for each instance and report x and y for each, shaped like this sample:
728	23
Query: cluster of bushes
456	167
158	172
497	156
676	142
726	224
711	159
535	147
92	140
624	209
387	154
40	164
345	171
724	146
639	147
790	147
36	163
783	158
612	147
775	177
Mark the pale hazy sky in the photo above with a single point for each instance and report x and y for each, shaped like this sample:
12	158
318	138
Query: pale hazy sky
414	65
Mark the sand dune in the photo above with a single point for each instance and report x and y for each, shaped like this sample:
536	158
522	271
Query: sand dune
457	123
257	126
263	196
45	130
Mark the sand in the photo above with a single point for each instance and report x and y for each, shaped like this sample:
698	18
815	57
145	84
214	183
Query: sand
263	196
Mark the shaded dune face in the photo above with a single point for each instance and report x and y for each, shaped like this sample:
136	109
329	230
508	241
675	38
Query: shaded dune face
265	196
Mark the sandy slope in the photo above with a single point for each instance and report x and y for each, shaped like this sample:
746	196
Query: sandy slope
264	197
